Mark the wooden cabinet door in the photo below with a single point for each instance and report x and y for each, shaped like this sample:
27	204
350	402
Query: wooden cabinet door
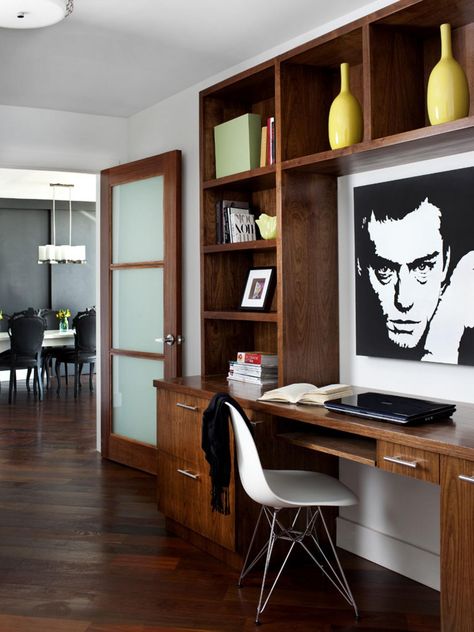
457	545
184	495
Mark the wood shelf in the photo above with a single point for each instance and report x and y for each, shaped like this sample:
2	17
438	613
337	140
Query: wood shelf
255	246
351	447
419	144
255	179
262	317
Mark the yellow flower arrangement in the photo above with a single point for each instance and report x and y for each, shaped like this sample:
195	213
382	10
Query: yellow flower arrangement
62	314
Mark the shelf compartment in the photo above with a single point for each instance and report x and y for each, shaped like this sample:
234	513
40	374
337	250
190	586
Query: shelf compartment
264	317
253	246
223	338
252	91
420	144
225	275
403	52
347	446
310	81
261	199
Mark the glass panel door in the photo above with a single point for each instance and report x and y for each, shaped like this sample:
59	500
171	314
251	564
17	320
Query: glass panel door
141	285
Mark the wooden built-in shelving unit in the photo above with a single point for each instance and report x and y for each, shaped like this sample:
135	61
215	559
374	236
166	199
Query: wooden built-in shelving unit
391	53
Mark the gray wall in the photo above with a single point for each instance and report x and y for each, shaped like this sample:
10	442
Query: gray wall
25	224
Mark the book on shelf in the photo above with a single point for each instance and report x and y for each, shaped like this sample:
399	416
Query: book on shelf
263	147
306	394
243	368
222	218
271	153
258	357
241	226
251	379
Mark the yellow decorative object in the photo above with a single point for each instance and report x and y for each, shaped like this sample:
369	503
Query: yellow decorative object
345	116
448	90
267	226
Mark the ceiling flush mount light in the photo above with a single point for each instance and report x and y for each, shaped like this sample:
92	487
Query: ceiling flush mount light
67	253
32	14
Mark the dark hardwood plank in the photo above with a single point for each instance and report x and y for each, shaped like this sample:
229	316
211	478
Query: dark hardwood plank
84	549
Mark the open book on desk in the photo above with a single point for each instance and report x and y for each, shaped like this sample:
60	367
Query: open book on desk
306	394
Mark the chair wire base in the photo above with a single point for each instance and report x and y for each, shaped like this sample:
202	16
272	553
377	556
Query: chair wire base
279	531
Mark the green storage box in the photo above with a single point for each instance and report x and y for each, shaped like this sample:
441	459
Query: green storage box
237	144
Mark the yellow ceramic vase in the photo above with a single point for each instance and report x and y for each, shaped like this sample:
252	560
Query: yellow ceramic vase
345	116
448	90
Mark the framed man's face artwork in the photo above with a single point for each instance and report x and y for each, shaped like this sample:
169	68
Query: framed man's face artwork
414	268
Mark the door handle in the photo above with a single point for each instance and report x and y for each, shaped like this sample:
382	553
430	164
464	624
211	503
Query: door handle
168	340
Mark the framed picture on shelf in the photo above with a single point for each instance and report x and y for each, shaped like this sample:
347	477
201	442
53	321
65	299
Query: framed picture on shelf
259	288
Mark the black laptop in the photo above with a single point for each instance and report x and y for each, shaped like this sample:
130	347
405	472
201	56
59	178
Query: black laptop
393	408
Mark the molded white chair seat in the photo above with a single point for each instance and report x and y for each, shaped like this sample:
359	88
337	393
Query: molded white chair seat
300	488
297	490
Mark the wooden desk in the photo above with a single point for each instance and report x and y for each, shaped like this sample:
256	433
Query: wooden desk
442	453
52	338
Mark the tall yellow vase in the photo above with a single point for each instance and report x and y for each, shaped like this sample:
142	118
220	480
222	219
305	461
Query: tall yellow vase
448	90
345	116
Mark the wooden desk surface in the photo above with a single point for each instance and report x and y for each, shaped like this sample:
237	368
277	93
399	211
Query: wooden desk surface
453	437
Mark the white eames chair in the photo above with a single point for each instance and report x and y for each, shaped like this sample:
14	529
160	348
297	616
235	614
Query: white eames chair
300	490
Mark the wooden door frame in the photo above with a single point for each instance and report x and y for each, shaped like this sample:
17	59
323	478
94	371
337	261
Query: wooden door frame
168	164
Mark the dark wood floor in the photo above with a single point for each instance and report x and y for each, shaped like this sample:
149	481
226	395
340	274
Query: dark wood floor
83	549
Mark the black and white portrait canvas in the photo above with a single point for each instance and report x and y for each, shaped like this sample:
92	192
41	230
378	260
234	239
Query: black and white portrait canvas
414	267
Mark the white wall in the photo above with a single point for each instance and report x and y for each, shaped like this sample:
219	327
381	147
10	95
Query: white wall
397	520
35	138
173	124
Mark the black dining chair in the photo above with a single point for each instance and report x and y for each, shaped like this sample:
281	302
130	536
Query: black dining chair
26	330
83	352
52	323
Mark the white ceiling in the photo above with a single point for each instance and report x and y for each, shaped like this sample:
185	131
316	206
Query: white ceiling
117	57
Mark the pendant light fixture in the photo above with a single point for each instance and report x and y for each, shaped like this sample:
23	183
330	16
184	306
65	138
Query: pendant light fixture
32	14
66	253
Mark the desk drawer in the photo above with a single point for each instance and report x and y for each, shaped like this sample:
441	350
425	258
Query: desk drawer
179	422
413	462
184	494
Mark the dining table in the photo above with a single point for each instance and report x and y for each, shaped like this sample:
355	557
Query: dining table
52	338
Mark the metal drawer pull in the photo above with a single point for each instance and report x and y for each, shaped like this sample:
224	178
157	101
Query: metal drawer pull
399	461
464	477
193	408
256	422
188	473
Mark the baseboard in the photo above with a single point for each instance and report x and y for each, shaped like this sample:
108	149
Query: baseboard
396	555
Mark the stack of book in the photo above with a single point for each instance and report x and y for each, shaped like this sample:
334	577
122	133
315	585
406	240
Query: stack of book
234	222
267	145
254	367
